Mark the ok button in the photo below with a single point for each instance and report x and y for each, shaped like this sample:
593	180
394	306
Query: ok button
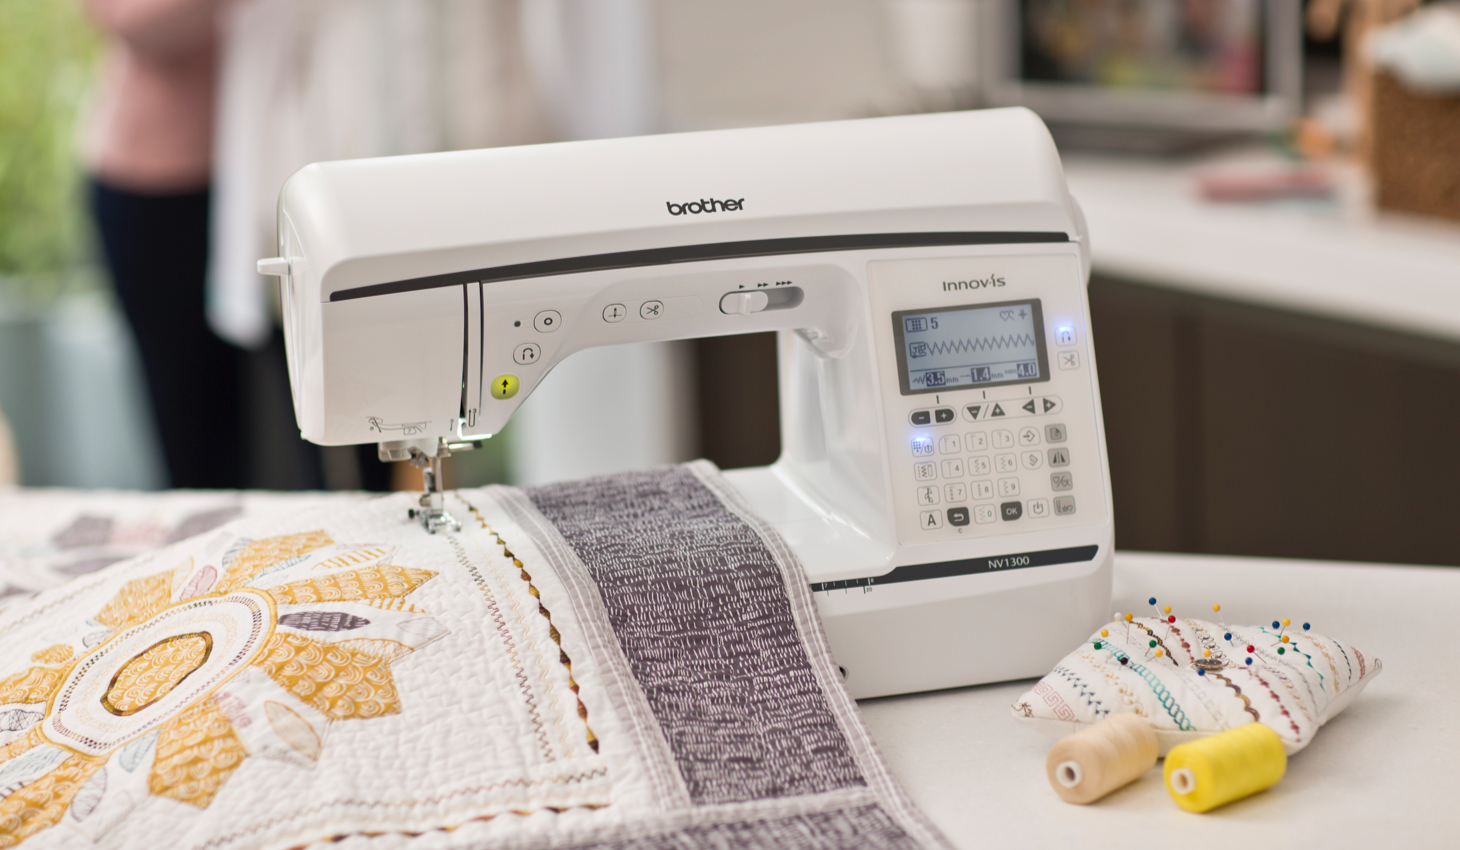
547	321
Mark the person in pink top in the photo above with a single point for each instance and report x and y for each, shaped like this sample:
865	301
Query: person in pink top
150	155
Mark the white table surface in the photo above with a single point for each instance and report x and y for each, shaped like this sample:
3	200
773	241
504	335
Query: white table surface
1381	774
1148	223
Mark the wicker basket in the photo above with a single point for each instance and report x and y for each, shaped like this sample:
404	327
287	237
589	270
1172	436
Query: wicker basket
1414	149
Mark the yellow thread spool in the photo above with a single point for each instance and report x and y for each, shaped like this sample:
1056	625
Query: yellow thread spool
1221	768
1088	765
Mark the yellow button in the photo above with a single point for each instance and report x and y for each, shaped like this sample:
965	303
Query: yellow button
504	386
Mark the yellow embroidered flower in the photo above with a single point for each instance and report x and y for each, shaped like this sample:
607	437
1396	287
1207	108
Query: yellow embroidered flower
184	674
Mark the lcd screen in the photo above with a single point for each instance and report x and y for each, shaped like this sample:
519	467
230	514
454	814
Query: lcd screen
957	348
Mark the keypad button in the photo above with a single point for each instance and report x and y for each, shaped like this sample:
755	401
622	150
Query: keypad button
950	444
1010	511
953	468
931	520
973	412
1039	508
979	466
1059	457
1032	460
1055	433
1069	359
1064	505
526	354
651	310
976	441
1008	487
996	411
928	495
1030	407
1061	481
1050	404
921	417
1006	463
958	516
1028	436
1064	336
982	489
925	471
984	514
955	492
922	446
547	321
943	415
615	313
1003	439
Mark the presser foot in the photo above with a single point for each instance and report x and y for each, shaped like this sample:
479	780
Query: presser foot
432	511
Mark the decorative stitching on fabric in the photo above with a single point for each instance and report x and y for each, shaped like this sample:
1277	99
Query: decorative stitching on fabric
1056	703
541	609
1331	666
1085	691
1347	663
1298	733
434	799
1128	696
1246	703
1166	650
517	671
1168	702
1360	657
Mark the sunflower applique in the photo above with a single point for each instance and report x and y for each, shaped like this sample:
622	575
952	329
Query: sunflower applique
184	674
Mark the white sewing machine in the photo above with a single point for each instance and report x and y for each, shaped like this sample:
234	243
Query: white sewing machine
943	477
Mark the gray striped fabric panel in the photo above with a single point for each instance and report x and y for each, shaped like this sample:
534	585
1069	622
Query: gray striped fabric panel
700	610
863	828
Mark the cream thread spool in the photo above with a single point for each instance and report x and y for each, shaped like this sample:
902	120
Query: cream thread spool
1090	764
1225	767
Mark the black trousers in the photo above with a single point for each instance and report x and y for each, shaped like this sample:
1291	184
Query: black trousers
156	247
223	414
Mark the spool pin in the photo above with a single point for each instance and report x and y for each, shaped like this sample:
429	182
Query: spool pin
1225	767
1090	764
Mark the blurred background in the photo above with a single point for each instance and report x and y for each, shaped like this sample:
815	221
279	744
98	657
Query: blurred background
1272	186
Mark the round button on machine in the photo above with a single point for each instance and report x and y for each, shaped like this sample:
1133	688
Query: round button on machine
650	310
615	313
547	321
504	387
526	354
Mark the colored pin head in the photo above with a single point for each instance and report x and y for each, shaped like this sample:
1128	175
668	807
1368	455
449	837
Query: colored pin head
1105	633
1124	661
1307	626
1206	653
1287	622
1129	617
1249	662
1227	637
1152	600
1251	648
1281	650
1276	624
1159	653
1201	671
1152	643
1171	618
1216	608
1097	644
1166	610
1285	638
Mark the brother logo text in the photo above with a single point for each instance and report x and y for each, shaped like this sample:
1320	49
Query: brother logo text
705	206
988	283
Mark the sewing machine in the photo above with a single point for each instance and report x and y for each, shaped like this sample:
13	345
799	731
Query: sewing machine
943	478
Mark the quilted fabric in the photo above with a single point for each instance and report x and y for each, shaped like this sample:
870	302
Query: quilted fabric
631	661
50	536
1293	692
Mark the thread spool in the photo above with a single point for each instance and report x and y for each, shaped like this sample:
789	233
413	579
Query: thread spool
1114	752
1225	767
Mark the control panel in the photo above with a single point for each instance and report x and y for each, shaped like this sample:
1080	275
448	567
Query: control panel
989	395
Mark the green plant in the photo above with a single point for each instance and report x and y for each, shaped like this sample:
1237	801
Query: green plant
47	53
